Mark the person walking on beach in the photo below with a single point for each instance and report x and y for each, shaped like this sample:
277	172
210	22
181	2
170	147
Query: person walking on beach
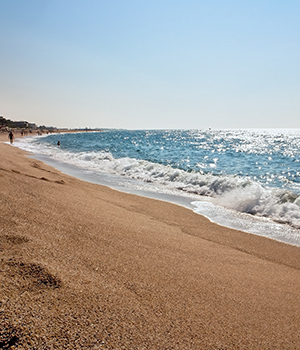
11	137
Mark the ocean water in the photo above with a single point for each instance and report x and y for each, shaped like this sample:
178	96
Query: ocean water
244	179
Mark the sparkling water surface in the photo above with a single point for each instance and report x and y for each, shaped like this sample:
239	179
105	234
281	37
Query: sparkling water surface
246	179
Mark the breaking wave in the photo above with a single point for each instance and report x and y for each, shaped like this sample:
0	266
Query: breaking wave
240	193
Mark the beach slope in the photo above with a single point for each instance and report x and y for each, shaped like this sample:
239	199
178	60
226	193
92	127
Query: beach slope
86	267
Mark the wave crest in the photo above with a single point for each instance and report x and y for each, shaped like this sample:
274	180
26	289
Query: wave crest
230	191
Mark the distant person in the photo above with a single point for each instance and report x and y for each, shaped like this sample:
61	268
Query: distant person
58	143
11	137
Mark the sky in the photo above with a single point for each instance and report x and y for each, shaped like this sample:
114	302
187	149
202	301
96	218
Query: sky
151	64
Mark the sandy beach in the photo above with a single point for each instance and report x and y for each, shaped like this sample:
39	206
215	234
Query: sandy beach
87	267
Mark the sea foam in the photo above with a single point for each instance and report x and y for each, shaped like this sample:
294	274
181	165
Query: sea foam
181	162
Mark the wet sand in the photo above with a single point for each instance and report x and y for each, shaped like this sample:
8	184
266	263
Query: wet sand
86	267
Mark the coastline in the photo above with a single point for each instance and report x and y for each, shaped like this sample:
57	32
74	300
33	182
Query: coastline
84	266
274	221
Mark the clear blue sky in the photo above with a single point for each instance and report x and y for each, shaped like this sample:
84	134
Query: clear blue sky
140	64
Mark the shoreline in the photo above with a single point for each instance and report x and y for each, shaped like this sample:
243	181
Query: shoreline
201	205
84	264
234	220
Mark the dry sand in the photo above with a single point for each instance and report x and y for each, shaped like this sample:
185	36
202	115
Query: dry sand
86	267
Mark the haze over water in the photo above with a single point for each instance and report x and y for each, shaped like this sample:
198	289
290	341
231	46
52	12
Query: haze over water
245	179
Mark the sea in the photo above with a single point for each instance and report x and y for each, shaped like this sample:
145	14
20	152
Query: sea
247	179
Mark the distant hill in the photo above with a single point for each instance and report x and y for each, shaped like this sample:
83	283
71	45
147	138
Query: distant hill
16	124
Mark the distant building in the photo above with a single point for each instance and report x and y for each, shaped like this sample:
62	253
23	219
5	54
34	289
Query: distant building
20	124
32	126
23	125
